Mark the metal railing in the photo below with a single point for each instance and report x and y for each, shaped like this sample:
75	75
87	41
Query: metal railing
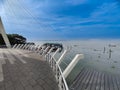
54	64
58	72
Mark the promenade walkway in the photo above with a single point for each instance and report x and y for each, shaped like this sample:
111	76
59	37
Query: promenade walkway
25	70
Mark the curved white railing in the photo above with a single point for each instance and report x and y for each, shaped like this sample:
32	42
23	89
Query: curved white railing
54	64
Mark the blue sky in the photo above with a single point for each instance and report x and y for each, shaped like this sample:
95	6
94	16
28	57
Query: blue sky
61	19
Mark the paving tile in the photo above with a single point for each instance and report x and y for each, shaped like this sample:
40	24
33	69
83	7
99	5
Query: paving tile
40	81
38	87
32	82
29	87
2	88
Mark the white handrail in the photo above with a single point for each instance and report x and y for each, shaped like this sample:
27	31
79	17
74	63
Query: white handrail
14	46
18	46
21	46
72	64
60	78
55	52
62	56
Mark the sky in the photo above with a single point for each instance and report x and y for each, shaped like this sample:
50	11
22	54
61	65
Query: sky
62	19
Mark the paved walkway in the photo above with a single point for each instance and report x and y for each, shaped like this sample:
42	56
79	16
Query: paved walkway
24	70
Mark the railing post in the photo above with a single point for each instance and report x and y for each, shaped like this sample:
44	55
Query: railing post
14	46
47	56
61	57
50	50
17	46
38	48
50	58
41	51
24	46
72	64
60	83
55	52
27	46
21	46
44	51
32	47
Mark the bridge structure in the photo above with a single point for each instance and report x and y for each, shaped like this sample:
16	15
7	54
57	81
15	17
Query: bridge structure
3	33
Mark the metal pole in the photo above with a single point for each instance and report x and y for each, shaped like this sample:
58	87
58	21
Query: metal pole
50	50
14	46
44	51
55	52
31	48
38	48
17	46
72	64
110	53
24	46
27	46
3	33
62	56
21	46
41	51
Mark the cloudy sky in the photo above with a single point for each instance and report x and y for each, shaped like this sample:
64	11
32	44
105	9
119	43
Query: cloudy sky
61	19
